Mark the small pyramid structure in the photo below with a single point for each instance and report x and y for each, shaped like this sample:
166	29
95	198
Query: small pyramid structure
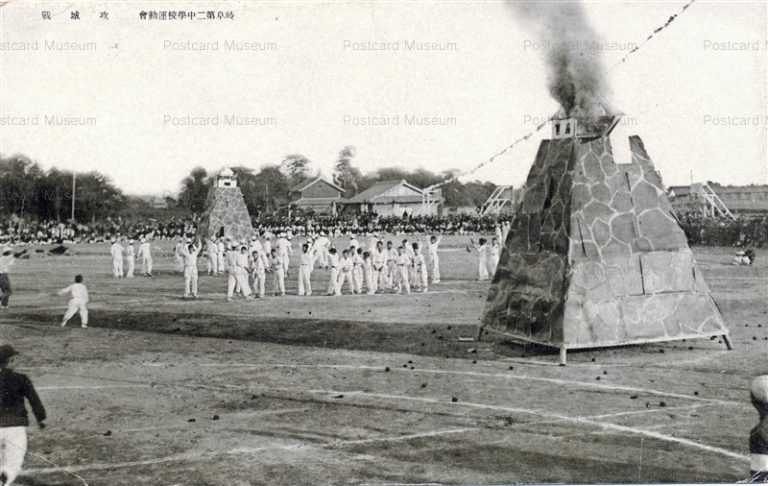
595	256
225	211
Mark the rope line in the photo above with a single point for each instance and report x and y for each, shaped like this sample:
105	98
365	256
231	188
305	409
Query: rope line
528	135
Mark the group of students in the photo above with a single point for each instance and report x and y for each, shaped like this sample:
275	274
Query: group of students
376	267
247	264
124	255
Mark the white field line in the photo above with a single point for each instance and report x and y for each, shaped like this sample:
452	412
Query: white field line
477	374
235	451
262	413
88	387
574	420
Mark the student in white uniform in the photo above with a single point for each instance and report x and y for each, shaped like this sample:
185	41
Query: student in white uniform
284	250
189	254
333	264
482	258
321	247
278	273
402	277
178	254
357	271
77	303
241	265
378	268
130	259
259	266
212	252
353	244
434	257
392	267
117	259
420	266
13	416
494	255
145	253
345	273
305	270
221	256
368	273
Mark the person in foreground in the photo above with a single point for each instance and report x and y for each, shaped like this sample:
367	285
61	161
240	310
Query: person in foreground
78	303
758	436
14	389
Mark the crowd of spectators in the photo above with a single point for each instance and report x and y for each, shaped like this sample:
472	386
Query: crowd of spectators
700	230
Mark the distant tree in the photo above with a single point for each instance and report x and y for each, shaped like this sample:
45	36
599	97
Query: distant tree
345	174
296	167
97	197
194	190
272	187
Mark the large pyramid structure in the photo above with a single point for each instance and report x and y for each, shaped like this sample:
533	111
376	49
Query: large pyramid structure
595	256
225	212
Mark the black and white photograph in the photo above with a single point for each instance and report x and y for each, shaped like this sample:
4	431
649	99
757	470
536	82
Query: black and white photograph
383	242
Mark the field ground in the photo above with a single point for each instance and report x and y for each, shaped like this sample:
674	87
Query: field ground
366	389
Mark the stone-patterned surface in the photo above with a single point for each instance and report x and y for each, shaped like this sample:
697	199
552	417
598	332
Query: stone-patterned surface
595	256
225	208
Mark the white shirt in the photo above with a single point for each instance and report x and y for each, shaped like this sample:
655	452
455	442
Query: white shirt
117	251
6	262
78	291
333	260
190	257
144	251
283	246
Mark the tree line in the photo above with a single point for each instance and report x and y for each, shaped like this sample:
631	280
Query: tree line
30	192
27	191
267	190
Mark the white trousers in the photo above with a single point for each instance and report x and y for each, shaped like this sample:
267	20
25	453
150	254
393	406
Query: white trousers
146	266
286	259
221	263
322	257
278	281
73	308
190	281
370	280
334	281
357	279
259	280
13	447
238	280
344	277
131	267
435	270
117	268
213	263
305	286
482	269
403	282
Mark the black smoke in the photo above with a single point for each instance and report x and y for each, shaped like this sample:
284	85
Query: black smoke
576	75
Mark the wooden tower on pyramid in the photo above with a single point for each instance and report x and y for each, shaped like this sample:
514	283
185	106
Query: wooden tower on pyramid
226	214
595	256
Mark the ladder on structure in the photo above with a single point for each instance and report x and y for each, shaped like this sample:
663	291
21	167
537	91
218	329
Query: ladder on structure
713	205
496	201
429	199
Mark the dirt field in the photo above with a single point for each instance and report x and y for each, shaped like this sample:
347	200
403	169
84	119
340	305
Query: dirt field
366	389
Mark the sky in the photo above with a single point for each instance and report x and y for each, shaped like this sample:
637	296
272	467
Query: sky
146	100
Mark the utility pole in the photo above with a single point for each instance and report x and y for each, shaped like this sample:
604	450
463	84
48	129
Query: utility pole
266	198
74	184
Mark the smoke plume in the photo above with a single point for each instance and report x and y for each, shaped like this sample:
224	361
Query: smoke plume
576	75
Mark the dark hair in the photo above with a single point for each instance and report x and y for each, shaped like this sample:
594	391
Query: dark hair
359	251
482	241
366	254
415	246
78	279
332	251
